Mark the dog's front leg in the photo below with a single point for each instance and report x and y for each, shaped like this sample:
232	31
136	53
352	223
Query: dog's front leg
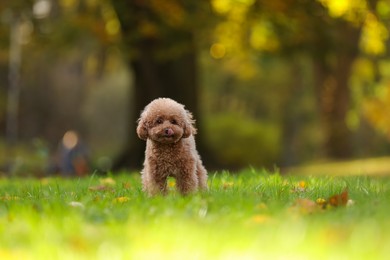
154	183
187	181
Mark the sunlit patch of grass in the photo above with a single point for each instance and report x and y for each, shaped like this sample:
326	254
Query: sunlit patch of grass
253	214
371	166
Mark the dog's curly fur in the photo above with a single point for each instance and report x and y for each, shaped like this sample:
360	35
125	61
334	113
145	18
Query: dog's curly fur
168	129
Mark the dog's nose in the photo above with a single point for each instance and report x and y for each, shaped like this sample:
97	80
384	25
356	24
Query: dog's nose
168	132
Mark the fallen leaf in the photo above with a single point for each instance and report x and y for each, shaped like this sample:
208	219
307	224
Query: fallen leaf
126	185
107	181
261	218
121	199
226	185
171	183
9	198
321	202
339	199
300	187
100	188
336	200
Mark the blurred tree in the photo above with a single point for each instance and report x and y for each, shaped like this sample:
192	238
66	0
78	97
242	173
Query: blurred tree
375	73
66	36
70	49
161	50
330	32
275	55
16	17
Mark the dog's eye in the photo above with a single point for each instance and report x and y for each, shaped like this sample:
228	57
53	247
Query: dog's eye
159	121
173	122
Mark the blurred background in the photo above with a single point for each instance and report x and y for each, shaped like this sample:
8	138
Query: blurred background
270	83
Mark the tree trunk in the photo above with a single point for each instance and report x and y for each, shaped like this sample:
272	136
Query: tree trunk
157	74
334	100
175	79
292	117
333	92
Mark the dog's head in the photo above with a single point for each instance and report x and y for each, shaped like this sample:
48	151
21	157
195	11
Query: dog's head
165	121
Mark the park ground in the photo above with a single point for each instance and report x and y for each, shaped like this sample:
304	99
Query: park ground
253	214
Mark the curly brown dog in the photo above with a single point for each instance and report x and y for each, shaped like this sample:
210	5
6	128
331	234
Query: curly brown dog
168	129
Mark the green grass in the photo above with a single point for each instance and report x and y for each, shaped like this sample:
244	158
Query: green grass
251	215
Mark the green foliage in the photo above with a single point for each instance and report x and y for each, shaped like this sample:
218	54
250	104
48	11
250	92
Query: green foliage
237	141
251	68
254	214
25	159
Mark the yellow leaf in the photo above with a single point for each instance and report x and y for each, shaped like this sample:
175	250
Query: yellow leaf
302	184
171	183
121	199
226	185
336	200
300	187
321	201
261	218
9	198
126	185
108	181
217	51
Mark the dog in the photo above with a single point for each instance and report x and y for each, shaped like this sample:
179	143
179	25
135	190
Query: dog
169	129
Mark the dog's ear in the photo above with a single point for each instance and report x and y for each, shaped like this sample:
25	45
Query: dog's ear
142	128
189	125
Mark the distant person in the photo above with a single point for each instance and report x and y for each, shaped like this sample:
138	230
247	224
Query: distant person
72	156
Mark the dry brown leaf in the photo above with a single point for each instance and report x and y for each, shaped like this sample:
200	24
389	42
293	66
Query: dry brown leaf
126	185
336	200
100	188
339	199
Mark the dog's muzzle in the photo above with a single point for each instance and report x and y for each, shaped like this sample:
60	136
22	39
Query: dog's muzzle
168	132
